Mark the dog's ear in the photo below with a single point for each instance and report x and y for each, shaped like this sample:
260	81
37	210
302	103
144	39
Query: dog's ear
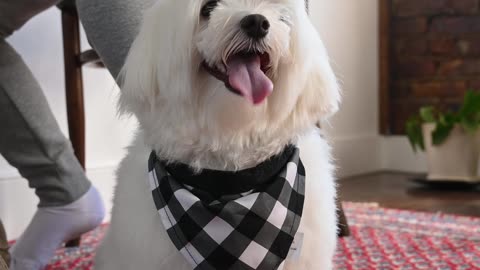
321	96
155	68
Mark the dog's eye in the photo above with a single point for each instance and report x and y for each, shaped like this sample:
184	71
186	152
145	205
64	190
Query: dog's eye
208	8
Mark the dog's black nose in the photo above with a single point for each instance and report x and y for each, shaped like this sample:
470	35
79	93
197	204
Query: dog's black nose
255	26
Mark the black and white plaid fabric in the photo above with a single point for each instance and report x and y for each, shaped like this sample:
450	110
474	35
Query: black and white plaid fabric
217	229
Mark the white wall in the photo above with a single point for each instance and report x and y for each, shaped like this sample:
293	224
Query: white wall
350	32
349	29
40	44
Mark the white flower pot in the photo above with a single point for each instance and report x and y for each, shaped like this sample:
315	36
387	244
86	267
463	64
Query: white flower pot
457	159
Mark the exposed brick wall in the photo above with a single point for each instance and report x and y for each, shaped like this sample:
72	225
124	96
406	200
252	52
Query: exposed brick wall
435	55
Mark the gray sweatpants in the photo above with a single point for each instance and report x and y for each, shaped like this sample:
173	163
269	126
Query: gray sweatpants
30	138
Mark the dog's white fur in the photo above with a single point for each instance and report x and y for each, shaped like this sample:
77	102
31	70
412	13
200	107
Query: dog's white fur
188	116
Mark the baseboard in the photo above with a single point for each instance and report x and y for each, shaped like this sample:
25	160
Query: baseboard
362	154
357	154
398	155
18	202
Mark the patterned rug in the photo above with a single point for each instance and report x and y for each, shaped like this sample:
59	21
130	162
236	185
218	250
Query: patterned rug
381	239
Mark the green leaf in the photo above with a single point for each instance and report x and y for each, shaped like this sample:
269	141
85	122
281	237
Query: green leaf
470	112
442	120
448	119
441	133
413	128
427	114
471	104
470	125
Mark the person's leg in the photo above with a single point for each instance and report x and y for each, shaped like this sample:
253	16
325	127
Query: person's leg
111	26
31	141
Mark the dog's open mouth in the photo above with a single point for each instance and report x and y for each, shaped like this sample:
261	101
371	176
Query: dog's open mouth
245	75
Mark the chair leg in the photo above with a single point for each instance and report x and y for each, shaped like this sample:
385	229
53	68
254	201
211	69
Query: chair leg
74	89
343	229
73	243
4	256
74	83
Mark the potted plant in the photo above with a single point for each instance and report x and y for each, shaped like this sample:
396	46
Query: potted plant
450	139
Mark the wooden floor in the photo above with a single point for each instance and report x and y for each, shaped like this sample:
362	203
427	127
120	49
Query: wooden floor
397	190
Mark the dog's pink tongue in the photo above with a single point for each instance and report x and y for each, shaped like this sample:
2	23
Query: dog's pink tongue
246	76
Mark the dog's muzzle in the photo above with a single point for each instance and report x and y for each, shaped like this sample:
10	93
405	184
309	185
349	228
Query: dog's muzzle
246	71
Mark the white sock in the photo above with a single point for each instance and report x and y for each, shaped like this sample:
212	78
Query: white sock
52	226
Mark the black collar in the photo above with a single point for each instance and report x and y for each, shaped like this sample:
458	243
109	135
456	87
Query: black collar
232	182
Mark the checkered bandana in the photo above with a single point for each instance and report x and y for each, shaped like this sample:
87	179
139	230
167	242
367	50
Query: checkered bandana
227	220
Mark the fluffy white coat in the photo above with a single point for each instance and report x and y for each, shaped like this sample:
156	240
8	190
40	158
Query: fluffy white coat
188	116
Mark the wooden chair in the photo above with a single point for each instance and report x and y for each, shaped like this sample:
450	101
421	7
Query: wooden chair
74	59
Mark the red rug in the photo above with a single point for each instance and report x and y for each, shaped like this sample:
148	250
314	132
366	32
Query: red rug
381	239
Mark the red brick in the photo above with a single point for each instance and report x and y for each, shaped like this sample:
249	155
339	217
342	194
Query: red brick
469	46
442	46
414	67
410	26
439	89
400	89
460	67
464	47
470	67
474	84
456	25
403	109
418	7
435	55
410	46
410	8
463	6
451	67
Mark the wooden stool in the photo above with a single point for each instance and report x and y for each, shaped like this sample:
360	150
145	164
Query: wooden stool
74	59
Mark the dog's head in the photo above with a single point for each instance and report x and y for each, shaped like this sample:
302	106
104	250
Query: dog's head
236	70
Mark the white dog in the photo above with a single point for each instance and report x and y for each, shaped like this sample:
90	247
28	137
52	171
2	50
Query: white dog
223	85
